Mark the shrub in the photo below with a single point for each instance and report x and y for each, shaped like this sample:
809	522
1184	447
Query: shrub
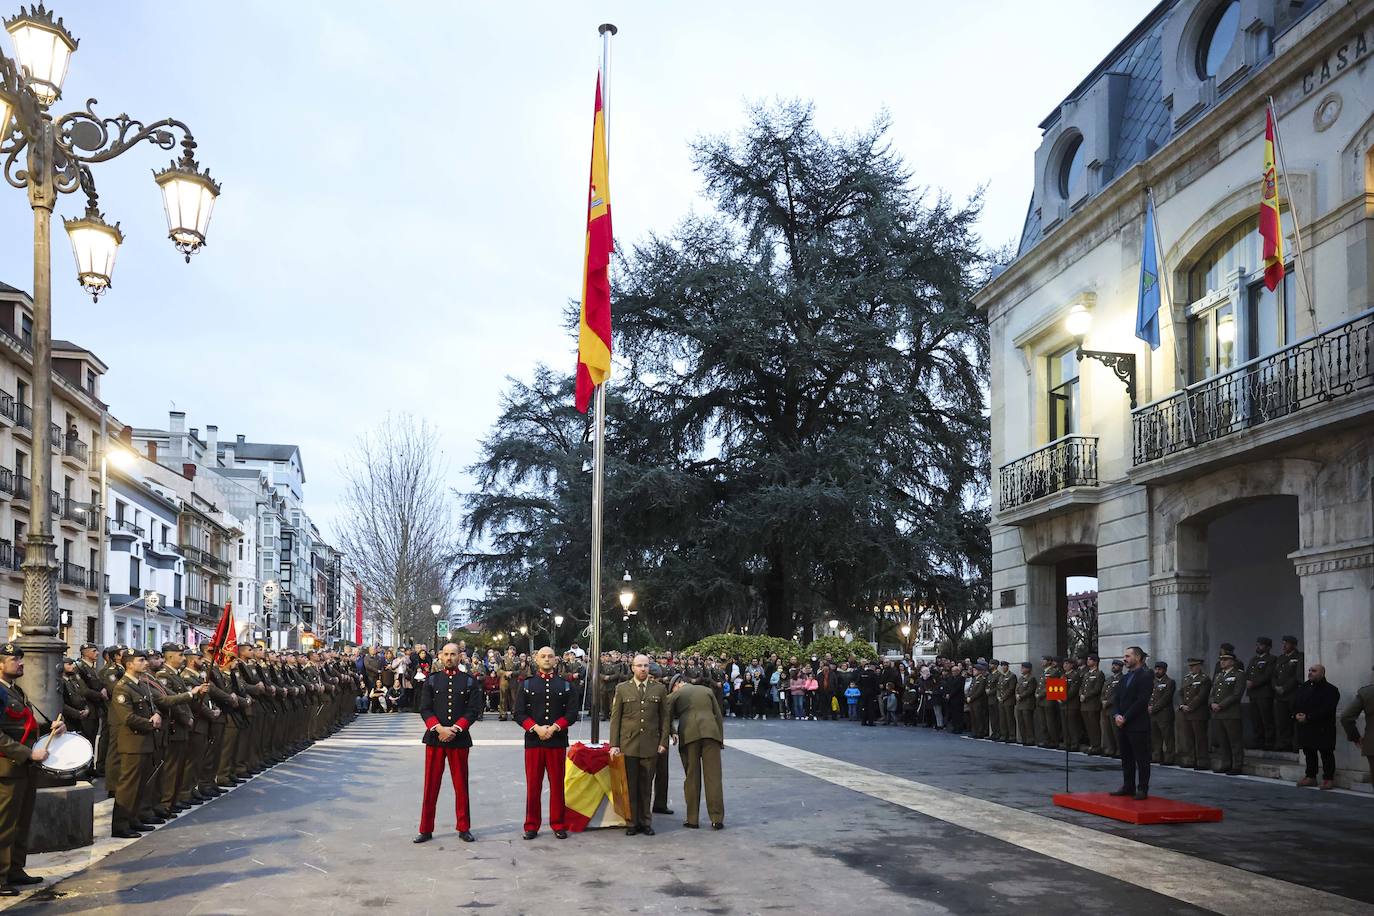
840	649
742	646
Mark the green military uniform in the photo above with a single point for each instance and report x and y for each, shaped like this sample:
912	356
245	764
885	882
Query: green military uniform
1259	685
1006	705
1090	705
109	676
1046	715
74	703
1193	716
1071	708
976	696
20	729
1361	704
639	727
199	752
1288	674
91	685
695	717
177	714
1227	690
132	747
611	674
1108	726
1025	705
1162	716
994	683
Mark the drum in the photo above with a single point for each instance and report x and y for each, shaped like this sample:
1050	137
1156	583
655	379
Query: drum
68	754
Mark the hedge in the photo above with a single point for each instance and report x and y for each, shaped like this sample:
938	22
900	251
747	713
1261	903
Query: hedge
742	646
840	649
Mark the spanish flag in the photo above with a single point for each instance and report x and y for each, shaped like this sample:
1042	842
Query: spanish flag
592	778
594	327
1270	228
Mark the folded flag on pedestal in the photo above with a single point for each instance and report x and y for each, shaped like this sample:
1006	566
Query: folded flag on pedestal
594	788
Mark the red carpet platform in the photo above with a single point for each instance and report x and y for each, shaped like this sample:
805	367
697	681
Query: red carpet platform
1150	811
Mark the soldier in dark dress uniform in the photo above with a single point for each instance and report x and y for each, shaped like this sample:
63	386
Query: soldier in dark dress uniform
545	707
93	688
450	701
110	674
19	732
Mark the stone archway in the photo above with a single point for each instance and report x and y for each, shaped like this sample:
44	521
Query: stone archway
1047	604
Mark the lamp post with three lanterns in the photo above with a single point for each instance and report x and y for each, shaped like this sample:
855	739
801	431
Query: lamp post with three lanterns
47	154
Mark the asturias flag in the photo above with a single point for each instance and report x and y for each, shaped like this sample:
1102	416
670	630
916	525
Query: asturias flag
594	327
1147	304
1270	229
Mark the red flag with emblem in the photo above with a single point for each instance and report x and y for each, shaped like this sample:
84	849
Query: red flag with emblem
224	644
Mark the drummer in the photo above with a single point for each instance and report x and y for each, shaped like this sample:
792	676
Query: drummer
19	731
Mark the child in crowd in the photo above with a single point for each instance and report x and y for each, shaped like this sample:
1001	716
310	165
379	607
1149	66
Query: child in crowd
851	696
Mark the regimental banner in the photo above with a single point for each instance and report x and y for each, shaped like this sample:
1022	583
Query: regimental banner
358	613
1056	689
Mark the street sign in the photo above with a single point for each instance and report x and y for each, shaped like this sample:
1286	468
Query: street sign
443	629
152	601
269	590
1056	689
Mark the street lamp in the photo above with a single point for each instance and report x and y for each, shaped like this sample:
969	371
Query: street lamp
627	598
47	155
1079	322
435	609
557	624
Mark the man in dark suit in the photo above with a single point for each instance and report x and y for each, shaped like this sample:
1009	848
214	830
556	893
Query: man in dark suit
1133	725
450	701
867	681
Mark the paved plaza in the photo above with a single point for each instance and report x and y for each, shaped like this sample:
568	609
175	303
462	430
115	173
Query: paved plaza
821	817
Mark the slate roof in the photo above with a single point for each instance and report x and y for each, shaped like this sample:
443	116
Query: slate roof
1144	119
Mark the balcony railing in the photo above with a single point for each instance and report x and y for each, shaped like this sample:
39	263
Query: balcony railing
55	436
22	487
203	557
74	448
1067	462
73	511
1333	364
11	557
200	606
23	415
6	480
117	526
7	405
71	574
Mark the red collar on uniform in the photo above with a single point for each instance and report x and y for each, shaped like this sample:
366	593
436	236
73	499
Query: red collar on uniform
548	676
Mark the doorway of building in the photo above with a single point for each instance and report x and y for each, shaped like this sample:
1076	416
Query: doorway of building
1254	587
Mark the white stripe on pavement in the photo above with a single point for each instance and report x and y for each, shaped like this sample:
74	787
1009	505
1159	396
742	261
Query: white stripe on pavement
1216	887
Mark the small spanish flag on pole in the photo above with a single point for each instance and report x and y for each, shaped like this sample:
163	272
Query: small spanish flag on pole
594	327
1270	228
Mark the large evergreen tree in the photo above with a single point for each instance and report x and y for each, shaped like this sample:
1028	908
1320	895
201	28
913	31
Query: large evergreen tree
801	430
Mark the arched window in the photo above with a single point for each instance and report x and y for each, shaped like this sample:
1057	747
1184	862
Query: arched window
1070	167
1217	37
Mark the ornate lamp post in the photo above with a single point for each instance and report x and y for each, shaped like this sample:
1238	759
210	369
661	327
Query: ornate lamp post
1079	323
46	155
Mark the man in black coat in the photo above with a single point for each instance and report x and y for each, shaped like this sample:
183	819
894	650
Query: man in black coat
1314	714
867	682
952	698
1133	725
450	701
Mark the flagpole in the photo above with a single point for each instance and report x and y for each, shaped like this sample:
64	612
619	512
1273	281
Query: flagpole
1162	268
1293	212
599	446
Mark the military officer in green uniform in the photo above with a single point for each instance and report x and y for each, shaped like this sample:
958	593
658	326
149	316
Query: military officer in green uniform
1288	674
20	730
134	720
1227	690
1025	704
1108	726
195	788
1259	685
610	676
976	697
994	682
1090	703
1362	703
1071	708
110	673
1046	713
180	702
1193	715
639	731
697	727
1006	703
76	708
93	689
1162	715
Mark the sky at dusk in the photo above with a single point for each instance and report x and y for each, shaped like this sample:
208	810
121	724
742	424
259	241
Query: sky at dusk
405	185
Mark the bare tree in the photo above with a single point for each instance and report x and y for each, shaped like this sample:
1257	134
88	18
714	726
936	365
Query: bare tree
398	529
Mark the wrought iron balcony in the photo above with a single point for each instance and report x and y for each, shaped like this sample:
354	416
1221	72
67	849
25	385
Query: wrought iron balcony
71	574
117	527
1067	462
7	405
55	436
22	486
74	448
1330	365
6	481
23	415
11	557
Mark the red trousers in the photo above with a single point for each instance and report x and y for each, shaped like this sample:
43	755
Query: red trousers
538	761
457	760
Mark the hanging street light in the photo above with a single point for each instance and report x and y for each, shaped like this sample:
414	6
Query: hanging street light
188	196
43	48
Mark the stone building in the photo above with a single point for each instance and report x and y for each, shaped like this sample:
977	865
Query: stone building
1218	487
